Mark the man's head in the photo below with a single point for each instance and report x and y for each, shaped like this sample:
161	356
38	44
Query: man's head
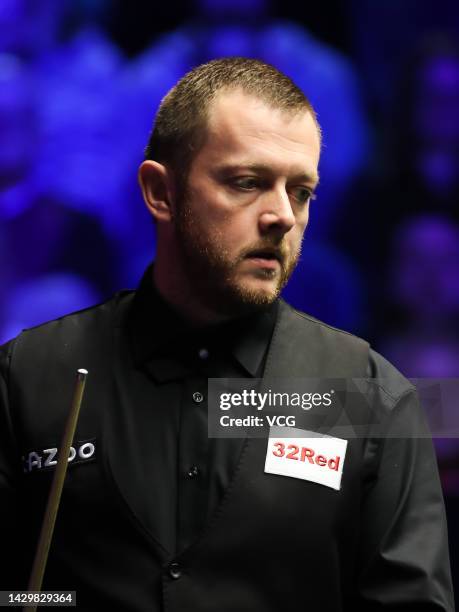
231	165
179	129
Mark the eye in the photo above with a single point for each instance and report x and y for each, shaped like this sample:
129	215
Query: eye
246	183
302	194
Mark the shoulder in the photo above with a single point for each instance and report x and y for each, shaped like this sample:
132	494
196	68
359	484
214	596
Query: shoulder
387	381
76	329
325	330
331	345
317	348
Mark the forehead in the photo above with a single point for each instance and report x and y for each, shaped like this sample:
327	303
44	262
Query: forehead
242	129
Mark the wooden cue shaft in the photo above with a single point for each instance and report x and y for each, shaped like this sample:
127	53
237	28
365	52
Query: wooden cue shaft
47	528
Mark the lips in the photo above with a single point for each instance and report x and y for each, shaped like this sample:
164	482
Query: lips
268	259
265	254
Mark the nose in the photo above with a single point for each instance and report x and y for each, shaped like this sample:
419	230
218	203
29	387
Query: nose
277	215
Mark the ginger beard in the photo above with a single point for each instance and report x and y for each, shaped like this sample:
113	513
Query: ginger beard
215	273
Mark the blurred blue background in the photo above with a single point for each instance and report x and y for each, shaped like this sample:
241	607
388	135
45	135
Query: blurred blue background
80	82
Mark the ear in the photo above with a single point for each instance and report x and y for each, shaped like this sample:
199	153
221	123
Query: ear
155	183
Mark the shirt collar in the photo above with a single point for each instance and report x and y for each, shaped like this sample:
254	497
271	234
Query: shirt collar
158	334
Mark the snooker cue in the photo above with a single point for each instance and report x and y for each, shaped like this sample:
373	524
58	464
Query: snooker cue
47	528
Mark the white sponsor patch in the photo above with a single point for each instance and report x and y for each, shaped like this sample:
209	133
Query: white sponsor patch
306	454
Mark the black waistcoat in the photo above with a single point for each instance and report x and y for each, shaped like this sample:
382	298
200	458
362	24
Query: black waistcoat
274	542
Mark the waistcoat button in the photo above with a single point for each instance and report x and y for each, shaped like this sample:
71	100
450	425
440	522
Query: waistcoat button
175	570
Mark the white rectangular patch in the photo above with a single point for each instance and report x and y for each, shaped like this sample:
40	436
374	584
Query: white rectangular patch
306	454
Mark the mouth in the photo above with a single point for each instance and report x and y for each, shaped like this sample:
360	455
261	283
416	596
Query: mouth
265	258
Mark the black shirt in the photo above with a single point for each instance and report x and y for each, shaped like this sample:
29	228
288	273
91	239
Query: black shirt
185	473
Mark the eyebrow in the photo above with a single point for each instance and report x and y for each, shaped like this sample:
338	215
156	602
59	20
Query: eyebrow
266	169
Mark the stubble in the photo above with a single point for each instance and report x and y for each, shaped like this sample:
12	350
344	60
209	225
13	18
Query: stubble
214	271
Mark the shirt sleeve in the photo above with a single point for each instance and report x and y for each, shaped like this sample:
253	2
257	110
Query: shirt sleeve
12	575
404	560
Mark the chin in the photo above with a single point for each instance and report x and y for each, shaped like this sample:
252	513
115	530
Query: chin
256	294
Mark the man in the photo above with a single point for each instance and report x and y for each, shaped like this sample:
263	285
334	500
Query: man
156	515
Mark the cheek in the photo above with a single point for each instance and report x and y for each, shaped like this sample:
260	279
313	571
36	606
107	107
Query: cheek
212	218
234	236
303	219
234	223
296	234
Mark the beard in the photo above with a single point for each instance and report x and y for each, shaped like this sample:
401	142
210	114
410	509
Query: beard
214	273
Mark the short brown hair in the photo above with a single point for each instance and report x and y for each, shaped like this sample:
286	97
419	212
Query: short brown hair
179	130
